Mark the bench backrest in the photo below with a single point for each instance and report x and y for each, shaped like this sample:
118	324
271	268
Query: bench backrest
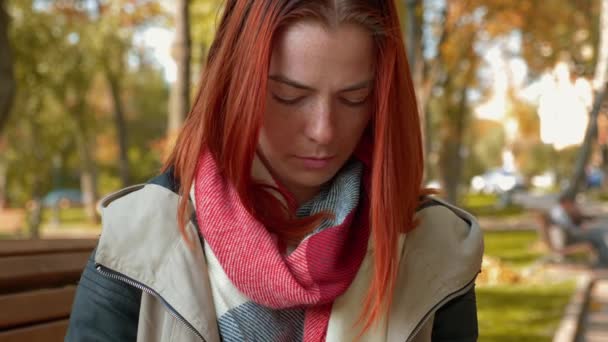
37	286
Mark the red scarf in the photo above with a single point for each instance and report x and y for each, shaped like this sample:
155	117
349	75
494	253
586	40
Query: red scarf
319	270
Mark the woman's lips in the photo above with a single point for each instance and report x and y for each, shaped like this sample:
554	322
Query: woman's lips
315	162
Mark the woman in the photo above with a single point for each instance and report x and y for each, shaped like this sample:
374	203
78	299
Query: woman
291	208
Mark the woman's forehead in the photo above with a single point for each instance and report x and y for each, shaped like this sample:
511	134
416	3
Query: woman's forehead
311	53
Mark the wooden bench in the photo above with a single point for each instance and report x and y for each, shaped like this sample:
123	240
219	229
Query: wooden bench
555	239
37	285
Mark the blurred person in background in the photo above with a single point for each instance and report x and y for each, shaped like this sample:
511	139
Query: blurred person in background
291	208
579	227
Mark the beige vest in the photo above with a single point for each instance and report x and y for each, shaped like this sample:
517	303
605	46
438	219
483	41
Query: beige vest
141	244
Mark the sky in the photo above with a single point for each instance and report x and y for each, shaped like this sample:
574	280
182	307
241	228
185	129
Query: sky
159	40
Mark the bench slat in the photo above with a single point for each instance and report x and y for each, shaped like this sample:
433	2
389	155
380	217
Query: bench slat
21	273
33	247
36	306
48	332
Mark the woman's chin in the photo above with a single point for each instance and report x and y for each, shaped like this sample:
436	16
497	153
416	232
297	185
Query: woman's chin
311	179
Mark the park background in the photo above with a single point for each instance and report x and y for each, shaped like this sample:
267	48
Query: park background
511	96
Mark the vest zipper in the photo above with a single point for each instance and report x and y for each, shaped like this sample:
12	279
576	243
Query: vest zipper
123	278
449	297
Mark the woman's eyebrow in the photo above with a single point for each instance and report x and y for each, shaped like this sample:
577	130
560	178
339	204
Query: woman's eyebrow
296	84
285	80
358	86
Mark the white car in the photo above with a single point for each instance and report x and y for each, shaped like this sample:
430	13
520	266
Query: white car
497	181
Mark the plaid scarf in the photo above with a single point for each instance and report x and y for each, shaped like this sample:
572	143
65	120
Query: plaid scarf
262	294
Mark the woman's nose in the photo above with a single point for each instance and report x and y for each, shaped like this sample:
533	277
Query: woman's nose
320	127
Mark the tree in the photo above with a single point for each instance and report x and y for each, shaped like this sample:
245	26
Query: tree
7	80
461	29
52	141
425	71
77	107
72	89
37	130
414	44
110	43
448	77
600	88
204	15
116	20
180	94
111	49
7	91
73	75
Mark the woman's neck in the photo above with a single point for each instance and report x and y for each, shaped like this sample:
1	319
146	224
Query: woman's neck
261	172
302	194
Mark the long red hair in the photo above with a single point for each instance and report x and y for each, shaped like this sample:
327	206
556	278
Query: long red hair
227	116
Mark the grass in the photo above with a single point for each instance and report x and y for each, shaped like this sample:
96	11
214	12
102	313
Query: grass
480	200
598	194
5	236
483	205
508	211
66	216
70	219
519	312
515	248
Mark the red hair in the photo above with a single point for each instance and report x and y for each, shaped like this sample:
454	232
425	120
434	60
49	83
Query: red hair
227	115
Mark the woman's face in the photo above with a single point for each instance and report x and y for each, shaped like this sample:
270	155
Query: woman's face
318	104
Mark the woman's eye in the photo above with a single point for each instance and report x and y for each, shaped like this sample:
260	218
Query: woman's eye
354	102
287	100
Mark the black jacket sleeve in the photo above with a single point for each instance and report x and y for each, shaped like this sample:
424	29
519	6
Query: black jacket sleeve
456	321
104	309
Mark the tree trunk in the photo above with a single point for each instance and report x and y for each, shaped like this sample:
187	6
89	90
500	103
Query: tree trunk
601	69
599	83
88	172
121	127
88	184
425	73
34	217
604	152
7	80
414	45
452	156
413	31
455	124
578	176
180	93
3	183
35	210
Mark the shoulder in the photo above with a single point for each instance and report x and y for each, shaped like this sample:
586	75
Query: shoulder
128	206
137	198
132	211
435	210
439	262
444	252
456	234
450	229
135	218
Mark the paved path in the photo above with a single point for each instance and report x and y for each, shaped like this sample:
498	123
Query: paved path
595	323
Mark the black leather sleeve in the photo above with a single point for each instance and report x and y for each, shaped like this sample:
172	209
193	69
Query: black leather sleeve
456	321
104	309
